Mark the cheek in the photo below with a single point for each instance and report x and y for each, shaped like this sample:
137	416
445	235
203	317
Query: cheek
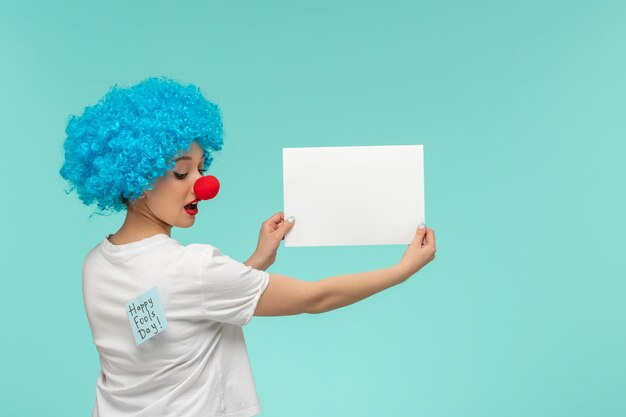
168	198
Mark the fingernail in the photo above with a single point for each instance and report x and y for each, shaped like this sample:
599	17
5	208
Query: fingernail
291	219
421	226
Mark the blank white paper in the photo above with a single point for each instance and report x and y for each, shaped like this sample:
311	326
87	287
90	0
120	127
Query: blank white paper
353	195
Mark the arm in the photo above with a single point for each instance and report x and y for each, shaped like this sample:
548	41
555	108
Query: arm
342	290
257	263
286	296
272	233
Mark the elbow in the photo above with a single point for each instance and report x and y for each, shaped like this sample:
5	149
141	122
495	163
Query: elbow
316	301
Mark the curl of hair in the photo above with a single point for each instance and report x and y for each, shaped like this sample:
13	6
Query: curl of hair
118	147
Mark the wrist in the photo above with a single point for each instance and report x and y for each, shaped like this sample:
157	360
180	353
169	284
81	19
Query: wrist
259	262
401	271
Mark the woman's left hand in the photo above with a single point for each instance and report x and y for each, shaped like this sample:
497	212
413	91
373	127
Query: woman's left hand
272	232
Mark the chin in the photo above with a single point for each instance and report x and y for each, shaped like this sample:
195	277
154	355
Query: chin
187	224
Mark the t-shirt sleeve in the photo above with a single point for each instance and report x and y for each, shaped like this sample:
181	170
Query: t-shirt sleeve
230	289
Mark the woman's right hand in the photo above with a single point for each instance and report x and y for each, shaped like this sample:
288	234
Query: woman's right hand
421	251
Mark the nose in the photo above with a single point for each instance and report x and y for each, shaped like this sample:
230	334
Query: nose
206	188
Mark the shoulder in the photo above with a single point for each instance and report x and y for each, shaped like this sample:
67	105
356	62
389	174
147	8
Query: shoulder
93	256
200	253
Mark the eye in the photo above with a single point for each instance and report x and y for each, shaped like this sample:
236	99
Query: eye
182	176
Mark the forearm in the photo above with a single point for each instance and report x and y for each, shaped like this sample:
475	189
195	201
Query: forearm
258	263
342	290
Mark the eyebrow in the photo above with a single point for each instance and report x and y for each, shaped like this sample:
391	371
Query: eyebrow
187	157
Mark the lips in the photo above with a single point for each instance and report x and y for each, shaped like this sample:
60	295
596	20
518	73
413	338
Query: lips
193	201
192	207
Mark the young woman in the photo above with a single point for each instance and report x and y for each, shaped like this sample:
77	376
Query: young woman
167	319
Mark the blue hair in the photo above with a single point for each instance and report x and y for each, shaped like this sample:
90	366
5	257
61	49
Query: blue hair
121	145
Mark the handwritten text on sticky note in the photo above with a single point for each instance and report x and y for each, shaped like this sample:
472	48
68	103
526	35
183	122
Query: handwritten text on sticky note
146	316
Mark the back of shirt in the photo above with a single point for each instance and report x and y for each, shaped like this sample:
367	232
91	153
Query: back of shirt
198	365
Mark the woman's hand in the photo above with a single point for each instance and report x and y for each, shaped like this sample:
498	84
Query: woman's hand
421	251
272	232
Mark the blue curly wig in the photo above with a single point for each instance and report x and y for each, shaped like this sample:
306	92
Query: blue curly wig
121	145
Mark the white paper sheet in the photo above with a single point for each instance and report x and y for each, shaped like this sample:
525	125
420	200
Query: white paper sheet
353	195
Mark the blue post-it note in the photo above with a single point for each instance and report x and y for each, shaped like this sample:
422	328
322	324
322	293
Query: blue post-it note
146	316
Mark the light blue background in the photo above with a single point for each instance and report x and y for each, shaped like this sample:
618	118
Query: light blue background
521	109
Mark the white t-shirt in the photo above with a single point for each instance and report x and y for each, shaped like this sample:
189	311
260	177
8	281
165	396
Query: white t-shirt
197	366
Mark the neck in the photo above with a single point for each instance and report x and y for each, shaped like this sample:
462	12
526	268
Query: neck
140	223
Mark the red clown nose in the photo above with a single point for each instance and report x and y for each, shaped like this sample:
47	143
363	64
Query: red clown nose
206	188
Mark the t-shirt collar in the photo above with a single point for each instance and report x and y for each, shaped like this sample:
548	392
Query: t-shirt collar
107	246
